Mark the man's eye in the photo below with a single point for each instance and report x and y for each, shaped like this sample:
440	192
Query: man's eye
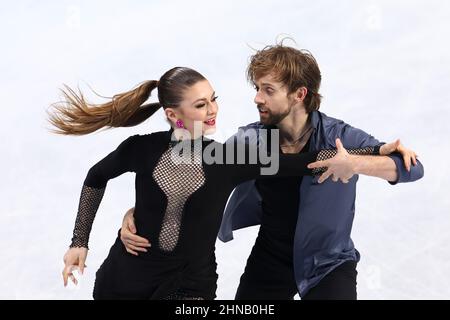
256	88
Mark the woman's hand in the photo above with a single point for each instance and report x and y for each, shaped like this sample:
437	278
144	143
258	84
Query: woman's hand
396	146
130	240
74	259
341	166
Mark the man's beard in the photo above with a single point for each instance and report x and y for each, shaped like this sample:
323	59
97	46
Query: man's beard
273	119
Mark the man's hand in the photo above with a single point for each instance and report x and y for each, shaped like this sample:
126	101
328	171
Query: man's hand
396	146
341	166
132	242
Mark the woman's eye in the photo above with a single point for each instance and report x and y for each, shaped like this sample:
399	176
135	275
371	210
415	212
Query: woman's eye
214	99
200	106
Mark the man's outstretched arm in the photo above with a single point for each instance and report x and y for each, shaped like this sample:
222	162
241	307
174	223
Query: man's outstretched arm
400	155
376	166
384	167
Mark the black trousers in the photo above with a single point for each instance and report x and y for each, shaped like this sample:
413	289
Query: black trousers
123	276
270	276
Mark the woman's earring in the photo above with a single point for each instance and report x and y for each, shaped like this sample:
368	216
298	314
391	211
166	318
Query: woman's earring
180	124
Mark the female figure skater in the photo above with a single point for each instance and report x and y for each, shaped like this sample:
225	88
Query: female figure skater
179	204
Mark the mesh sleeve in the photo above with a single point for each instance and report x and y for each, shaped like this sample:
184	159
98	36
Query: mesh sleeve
330	153
89	202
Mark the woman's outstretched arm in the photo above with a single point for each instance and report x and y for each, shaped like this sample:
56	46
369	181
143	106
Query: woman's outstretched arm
282	165
117	162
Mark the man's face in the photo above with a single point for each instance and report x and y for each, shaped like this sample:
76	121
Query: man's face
272	100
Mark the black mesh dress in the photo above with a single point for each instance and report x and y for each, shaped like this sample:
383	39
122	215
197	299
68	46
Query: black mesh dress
180	199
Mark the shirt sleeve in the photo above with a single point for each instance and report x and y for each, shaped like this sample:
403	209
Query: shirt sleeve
113	165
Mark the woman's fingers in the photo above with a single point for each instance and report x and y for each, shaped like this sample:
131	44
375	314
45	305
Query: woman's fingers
65	277
407	160
414	158
409	156
74	280
81	264
67	273
389	148
74	258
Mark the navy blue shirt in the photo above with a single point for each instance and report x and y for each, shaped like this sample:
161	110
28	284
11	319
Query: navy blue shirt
325	214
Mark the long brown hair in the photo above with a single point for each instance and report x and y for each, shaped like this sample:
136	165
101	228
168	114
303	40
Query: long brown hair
294	68
75	116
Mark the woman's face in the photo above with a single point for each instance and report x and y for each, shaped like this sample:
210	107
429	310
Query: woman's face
197	110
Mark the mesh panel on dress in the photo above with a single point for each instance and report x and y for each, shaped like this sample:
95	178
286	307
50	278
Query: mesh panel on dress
328	154
89	202
178	181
